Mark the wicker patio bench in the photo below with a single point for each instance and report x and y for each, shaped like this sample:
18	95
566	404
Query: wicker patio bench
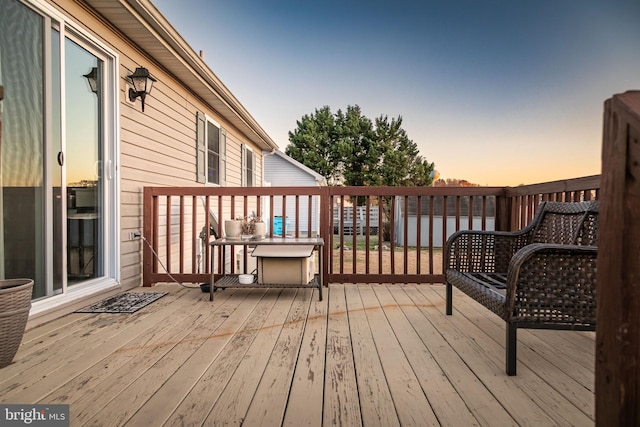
543	276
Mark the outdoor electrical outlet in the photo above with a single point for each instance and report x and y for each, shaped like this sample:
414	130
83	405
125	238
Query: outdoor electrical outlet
134	235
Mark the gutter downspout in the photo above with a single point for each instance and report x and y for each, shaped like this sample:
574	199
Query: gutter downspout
266	153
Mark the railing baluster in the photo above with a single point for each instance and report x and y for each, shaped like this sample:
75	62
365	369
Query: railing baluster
458	202
405	225
168	236
271	215
380	232
483	226
367	239
181	237
470	213
341	234
392	241
219	248
194	240
431	219
354	233
297	216
444	220
309	216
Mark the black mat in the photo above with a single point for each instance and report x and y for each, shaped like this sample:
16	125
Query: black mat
129	302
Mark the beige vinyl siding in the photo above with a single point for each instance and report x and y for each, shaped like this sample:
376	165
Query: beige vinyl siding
234	160
157	146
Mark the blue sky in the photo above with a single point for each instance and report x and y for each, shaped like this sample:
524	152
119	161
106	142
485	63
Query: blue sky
496	92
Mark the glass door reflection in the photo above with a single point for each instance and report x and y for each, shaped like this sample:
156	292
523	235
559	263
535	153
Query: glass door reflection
83	165
22	181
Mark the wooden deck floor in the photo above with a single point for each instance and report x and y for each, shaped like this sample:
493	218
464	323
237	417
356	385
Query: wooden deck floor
367	355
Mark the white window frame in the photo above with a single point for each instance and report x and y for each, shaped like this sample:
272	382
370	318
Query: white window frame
222	157
246	168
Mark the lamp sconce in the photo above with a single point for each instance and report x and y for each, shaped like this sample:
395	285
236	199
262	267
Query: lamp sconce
142	83
92	78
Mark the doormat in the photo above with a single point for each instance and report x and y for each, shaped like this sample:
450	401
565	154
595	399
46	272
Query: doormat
129	302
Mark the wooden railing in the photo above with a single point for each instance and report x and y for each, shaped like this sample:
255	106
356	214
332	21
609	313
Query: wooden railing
523	201
179	222
392	235
405	245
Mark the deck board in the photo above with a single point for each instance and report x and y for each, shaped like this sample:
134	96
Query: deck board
270	400
200	379
446	403
373	389
241	388
341	403
549	405
129	361
65	358
485	408
367	355
483	356
174	367
305	404
572	379
167	382
412	405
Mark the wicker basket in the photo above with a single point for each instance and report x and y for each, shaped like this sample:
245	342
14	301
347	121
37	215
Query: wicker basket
15	303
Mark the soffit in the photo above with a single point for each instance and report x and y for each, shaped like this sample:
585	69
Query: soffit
142	23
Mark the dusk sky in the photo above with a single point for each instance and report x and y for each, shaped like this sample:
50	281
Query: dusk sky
496	92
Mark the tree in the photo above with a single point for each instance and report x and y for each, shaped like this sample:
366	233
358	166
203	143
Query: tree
401	163
348	148
312	144
454	182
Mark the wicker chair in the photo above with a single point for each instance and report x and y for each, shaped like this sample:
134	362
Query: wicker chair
543	276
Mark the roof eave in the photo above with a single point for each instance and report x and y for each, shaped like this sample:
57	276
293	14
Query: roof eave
142	23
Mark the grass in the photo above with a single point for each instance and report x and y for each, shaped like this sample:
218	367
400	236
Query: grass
361	244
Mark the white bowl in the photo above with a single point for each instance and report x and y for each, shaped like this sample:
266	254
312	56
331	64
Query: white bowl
245	279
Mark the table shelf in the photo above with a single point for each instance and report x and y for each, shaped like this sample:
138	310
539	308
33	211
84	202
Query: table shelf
232	281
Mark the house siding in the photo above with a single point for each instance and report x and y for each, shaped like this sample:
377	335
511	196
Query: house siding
280	172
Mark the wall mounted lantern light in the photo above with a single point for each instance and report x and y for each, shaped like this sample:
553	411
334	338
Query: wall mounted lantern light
142	83
92	78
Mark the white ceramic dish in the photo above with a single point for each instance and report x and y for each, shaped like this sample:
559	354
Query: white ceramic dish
245	279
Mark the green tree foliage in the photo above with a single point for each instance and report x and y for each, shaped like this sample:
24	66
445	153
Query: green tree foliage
348	148
312	144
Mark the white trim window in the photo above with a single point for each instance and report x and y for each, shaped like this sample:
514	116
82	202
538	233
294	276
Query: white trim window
211	147
248	166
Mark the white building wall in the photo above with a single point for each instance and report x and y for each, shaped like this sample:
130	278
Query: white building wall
438	241
279	172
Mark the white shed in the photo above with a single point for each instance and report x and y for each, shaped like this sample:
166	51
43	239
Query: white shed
281	170
439	239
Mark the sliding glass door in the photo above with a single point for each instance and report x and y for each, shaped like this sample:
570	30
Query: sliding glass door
57	191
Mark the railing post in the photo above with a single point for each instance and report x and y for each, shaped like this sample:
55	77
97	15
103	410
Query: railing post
326	230
618	292
503	212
